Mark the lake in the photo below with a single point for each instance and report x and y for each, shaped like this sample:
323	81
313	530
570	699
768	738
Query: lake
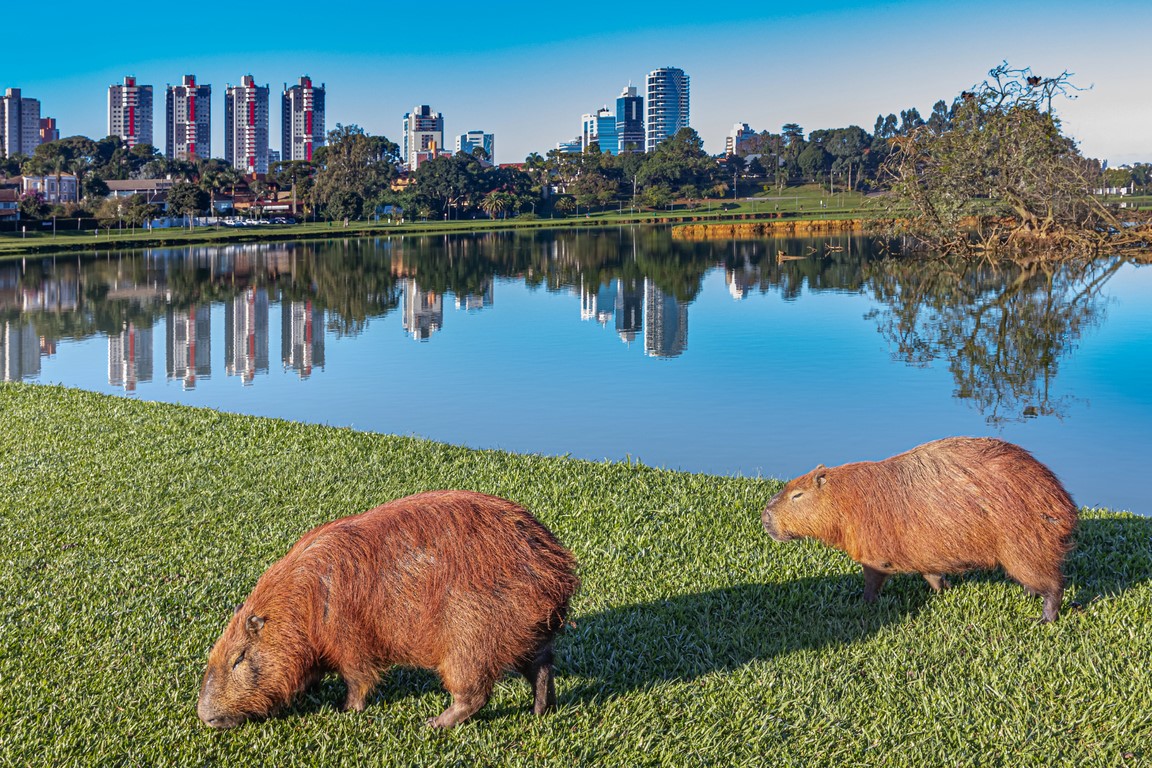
753	358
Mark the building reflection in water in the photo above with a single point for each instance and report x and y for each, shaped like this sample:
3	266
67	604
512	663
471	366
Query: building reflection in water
476	301
19	351
423	311
301	336
622	303
246	334
189	344
130	357
666	329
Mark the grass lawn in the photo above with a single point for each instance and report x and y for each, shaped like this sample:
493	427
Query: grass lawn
129	530
804	202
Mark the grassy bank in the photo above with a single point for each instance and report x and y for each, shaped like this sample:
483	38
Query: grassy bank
798	202
128	530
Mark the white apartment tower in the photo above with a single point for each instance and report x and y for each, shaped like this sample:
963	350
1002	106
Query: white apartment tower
130	112
188	122
302	120
19	124
667	105
423	132
246	126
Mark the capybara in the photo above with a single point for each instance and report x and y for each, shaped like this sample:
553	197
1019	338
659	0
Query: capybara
457	582
947	506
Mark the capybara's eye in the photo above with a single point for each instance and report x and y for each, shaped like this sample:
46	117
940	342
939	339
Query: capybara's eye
797	495
239	659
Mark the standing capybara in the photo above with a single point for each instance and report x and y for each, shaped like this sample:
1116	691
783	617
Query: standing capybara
458	582
944	507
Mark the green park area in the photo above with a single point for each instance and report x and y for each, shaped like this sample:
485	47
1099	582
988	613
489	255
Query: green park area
129	530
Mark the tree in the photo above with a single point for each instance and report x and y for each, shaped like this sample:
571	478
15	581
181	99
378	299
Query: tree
679	161
1004	163
297	175
353	161
215	176
450	185
32	206
186	199
496	203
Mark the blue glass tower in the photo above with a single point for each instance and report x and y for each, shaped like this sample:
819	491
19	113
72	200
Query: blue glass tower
629	121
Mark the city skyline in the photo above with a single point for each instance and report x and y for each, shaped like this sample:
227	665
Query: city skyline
840	64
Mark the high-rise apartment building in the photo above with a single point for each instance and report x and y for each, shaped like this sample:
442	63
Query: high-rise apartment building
188	121
302	120
130	112
423	132
739	134
629	121
19	124
466	142
599	128
246	126
667	104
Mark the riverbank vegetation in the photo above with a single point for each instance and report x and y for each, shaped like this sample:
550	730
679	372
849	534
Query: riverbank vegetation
128	530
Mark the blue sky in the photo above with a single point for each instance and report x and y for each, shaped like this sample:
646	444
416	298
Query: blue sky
527	73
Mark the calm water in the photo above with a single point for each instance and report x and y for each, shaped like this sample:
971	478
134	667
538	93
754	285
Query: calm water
717	357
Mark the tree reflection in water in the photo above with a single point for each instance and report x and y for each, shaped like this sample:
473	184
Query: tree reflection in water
1002	327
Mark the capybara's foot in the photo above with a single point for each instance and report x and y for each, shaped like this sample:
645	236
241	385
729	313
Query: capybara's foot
873	580
1051	606
461	710
937	581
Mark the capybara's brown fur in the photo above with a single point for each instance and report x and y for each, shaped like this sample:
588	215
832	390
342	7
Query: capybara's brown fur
457	582
947	506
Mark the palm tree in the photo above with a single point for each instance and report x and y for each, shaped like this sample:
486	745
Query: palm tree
496	202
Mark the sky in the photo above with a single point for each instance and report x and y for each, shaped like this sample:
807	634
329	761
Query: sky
527	73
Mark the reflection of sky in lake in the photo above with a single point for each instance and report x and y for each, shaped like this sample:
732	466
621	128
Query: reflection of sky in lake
762	386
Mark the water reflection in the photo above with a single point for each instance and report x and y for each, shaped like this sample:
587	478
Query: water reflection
1002	330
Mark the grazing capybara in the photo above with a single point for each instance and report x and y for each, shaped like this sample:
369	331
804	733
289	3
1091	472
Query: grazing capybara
457	582
947	506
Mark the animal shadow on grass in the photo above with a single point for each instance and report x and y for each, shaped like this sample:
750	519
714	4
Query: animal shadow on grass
686	636
680	637
1112	555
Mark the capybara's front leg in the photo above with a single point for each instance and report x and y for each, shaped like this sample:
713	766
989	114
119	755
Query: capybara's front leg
937	581
873	580
360	683
1052	601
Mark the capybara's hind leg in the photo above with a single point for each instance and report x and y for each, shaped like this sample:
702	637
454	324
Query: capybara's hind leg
538	672
937	581
873	580
470	691
1048	585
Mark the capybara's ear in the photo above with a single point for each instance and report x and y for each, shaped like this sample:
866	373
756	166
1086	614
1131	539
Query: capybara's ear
255	624
821	477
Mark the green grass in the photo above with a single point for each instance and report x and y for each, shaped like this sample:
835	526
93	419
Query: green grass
803	202
128	530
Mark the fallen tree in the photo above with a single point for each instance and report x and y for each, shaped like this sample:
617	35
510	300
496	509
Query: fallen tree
999	176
